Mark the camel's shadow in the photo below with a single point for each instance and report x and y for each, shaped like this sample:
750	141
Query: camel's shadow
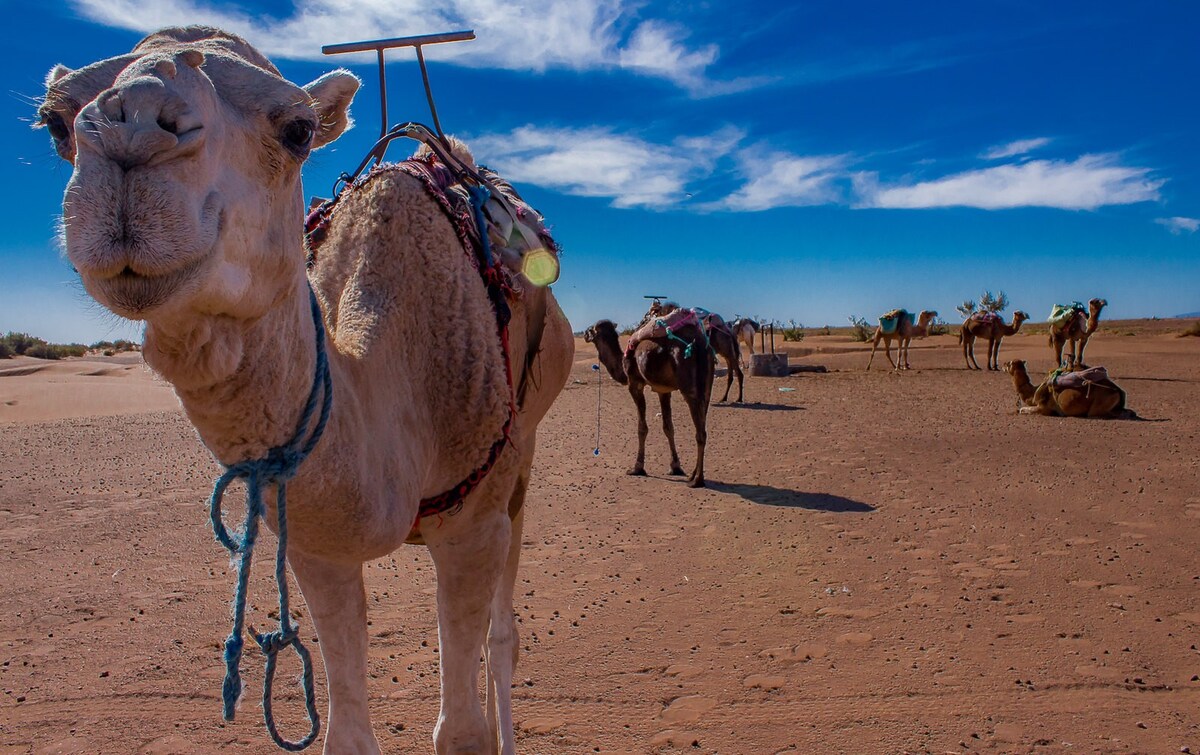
767	495
759	406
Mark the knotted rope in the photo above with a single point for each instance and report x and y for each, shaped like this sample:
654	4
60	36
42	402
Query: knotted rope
278	466
599	380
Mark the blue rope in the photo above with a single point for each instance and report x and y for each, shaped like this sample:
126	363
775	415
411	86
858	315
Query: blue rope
687	351
278	466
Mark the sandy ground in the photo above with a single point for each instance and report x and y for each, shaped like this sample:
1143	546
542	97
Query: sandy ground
883	563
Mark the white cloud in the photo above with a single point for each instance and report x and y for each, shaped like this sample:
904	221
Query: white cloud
525	35
781	179
1012	149
1178	225
597	162
1085	183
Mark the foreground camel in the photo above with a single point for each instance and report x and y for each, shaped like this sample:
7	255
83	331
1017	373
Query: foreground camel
184	211
992	328
665	365
1076	329
1096	398
722	339
904	333
744	329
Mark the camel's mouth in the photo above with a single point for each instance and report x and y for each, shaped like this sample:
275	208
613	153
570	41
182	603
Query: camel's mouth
135	295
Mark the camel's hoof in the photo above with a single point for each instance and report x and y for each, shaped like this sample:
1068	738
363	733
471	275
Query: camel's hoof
677	471
636	472
696	483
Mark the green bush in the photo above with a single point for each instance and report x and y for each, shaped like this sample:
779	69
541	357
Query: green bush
859	329
20	343
792	331
5	351
43	351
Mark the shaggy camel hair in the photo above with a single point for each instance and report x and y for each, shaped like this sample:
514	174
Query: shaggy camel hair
744	329
1078	329
664	365
185	210
905	331
994	330
1103	399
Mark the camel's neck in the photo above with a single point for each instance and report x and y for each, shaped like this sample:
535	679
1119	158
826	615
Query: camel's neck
1023	385
1093	322
1009	330
609	350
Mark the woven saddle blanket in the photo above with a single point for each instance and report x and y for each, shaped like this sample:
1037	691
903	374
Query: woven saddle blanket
1079	380
986	318
664	325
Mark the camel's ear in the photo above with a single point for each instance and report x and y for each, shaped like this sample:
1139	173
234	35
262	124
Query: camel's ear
331	95
56	73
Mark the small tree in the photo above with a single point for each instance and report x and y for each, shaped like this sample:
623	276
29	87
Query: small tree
989	303
967	308
861	331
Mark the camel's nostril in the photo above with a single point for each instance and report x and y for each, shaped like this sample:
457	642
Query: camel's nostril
168	125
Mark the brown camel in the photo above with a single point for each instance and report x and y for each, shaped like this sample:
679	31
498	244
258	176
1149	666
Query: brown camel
1070	394
980	325
904	332
666	364
720	337
745	329
1077	328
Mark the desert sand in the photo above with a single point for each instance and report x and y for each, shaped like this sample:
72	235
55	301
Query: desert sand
882	563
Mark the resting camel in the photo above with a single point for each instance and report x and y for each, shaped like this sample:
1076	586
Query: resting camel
185	211
905	331
992	328
720	337
1076	329
664	364
1062	396
745	329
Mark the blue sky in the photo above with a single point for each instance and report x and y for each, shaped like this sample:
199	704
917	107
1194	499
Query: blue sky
806	160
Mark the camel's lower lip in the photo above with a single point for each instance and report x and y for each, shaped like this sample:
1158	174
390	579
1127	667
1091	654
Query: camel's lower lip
134	296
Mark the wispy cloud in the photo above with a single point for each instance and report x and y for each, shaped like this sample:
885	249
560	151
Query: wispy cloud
1178	225
780	179
597	162
1085	183
1012	149
524	35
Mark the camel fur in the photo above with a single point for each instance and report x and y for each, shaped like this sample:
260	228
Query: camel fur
1101	399
994	329
1077	330
665	365
904	333
184	211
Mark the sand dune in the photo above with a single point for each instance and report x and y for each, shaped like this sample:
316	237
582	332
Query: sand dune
33	390
883	563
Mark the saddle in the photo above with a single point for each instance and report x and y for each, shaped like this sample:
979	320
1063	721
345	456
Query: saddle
889	322
1062	314
986	318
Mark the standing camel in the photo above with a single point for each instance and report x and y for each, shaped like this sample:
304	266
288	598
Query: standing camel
720	337
184	210
1070	394
745	329
903	331
987	325
1075	327
680	362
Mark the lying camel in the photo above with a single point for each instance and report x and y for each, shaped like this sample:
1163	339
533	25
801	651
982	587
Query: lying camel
1070	394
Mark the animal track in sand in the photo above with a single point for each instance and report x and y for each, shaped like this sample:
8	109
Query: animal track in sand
542	724
688	709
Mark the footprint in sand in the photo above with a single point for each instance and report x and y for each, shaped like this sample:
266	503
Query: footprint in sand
683	671
688	709
542	724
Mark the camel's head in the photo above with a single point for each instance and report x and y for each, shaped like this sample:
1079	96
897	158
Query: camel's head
602	329
1095	305
1015	367
926	317
1020	317
186	182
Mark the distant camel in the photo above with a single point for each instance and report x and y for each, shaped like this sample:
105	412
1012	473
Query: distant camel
1073	394
679	361
904	331
744	329
987	325
1075	327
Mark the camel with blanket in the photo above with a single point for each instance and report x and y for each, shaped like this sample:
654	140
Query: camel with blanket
1089	393
898	325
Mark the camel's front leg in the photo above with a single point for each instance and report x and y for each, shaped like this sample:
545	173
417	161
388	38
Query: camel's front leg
335	597
503	646
728	380
664	402
469	555
1077	362
639	400
902	353
994	354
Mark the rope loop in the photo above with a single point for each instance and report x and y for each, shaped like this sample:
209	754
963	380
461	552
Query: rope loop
276	467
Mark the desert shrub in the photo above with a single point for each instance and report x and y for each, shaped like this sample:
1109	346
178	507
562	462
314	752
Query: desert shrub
43	351
939	327
859	329
20	343
1192	330
792	331
5	351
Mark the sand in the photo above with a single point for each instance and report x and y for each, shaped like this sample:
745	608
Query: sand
882	563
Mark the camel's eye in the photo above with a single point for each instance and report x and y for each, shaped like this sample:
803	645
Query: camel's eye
298	135
56	126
